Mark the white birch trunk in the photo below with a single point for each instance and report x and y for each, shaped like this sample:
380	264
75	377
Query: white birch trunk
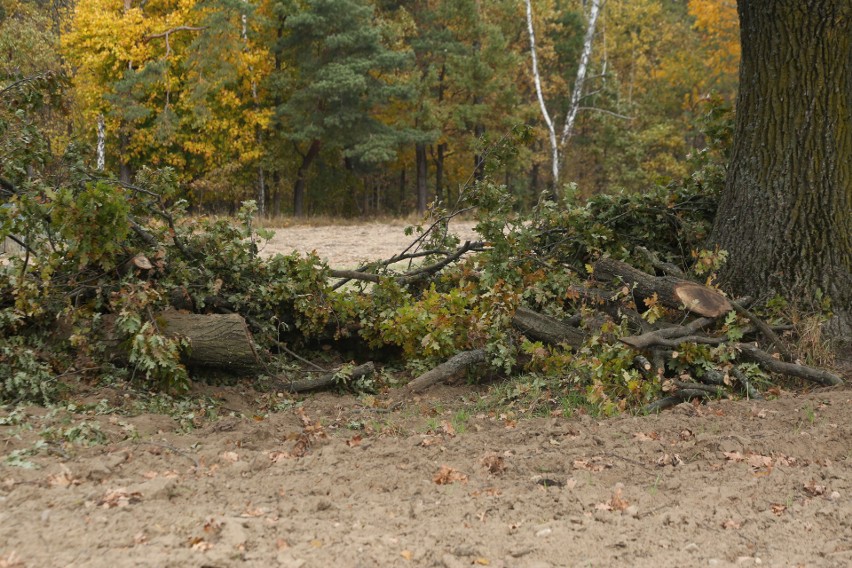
577	94
101	143
551	130
261	181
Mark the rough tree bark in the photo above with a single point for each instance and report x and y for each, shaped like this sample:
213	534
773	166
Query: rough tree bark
786	213
220	342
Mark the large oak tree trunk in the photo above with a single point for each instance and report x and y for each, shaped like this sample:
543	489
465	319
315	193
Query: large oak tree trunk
786	213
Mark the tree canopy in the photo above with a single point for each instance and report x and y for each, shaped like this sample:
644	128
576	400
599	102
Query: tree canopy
364	106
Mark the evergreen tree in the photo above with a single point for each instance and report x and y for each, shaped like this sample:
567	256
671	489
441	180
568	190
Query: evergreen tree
338	76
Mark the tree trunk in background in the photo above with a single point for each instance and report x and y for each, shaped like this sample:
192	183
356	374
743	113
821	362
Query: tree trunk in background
478	159
276	194
261	193
403	192
439	175
422	189
101	143
124	172
301	175
786	213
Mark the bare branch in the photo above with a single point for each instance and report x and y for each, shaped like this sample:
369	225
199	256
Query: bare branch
609	112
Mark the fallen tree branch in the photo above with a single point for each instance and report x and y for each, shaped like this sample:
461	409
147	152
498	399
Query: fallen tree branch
713	390
21	243
382	263
216	341
751	392
665	267
426	271
764	359
140	231
767	331
547	329
448	369
412	276
676	341
348	275
671	292
671	336
322	382
674	399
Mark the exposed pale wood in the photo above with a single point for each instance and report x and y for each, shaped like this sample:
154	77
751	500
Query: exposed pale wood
671	292
454	366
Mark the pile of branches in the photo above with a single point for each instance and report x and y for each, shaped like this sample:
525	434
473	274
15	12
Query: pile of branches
136	285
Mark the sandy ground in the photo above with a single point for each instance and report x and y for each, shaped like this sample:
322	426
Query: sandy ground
443	479
346	246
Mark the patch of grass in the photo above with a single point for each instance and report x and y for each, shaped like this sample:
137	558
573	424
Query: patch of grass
433	425
460	420
655	486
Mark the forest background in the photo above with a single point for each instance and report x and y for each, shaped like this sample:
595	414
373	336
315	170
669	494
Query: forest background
366	107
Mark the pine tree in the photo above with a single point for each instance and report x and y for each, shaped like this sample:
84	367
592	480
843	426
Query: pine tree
338	76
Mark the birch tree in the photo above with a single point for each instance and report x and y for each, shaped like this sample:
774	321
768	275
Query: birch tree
557	144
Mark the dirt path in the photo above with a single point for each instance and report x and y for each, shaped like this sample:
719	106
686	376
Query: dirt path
443	479
438	483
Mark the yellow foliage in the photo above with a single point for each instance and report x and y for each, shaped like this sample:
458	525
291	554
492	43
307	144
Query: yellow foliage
718	22
110	41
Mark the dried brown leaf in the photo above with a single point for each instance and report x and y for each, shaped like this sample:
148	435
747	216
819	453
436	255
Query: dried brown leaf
643	437
230	456
495	464
813	489
119	498
617	502
429	441
448	428
447	475
354	441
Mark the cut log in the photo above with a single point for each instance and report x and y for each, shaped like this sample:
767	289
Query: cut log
216	341
547	329
672	292
219	342
452	367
